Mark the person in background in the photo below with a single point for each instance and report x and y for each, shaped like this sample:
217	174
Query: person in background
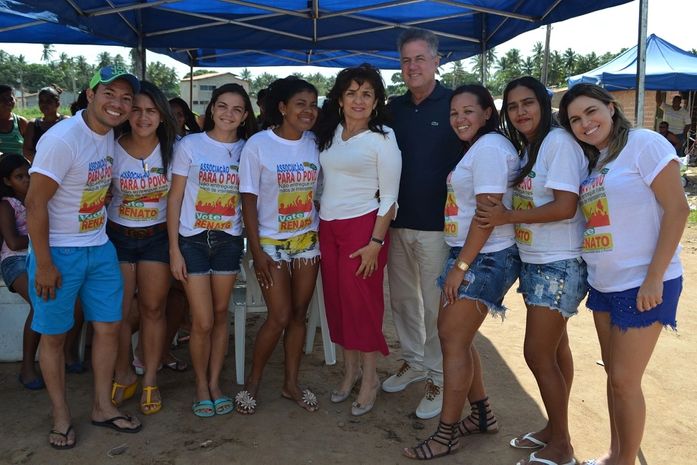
663	129
80	103
483	264
137	226
678	118
12	126
70	253
278	180
359	158
204	224
184	117
430	150
49	104
549	233
261	97
635	210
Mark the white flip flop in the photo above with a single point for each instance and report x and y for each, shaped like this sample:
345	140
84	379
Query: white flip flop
516	442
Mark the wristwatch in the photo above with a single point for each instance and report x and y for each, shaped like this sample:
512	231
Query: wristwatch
462	265
379	241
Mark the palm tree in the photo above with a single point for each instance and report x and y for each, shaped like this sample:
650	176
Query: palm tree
47	52
103	59
490	60
246	75
569	58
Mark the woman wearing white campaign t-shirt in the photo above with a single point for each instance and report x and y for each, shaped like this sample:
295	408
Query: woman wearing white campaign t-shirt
137	227
549	232
482	266
278	179
205	227
635	211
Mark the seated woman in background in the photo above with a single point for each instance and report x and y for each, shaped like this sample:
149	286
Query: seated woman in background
636	211
12	126
49	104
361	164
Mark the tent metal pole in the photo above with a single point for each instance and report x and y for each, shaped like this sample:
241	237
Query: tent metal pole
191	83
545	61
484	42
641	64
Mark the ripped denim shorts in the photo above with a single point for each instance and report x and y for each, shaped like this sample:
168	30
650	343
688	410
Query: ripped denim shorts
559	285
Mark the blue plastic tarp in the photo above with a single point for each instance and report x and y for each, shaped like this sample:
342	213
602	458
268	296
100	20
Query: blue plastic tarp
217	33
667	68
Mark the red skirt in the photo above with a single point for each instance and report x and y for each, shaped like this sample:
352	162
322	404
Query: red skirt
354	306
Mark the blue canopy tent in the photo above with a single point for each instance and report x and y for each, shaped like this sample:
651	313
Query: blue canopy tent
219	33
667	68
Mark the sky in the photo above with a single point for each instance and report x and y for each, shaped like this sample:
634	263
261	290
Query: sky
602	31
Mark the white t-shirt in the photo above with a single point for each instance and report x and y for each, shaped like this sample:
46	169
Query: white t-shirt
623	218
560	165
212	197
355	170
488	167
283	175
80	161
676	119
139	189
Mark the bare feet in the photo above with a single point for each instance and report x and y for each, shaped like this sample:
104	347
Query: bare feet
116	419
62	440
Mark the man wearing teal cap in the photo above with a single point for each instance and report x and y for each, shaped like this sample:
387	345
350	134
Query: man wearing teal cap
70	255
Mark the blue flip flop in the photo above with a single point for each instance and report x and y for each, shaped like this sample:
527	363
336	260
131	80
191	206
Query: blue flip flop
203	408
223	405
33	385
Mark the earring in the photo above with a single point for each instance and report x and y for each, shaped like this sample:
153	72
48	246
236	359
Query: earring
283	114
375	113
243	123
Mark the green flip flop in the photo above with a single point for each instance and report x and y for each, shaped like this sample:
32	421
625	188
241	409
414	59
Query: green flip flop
203	408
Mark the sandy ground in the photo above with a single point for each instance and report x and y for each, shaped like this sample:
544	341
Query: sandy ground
281	432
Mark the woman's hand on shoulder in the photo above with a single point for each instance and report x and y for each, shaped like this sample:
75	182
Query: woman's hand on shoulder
369	259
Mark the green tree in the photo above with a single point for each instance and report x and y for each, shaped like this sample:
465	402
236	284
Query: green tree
246	75
262	81
458	76
490	60
47	52
397	87
163	77
199	72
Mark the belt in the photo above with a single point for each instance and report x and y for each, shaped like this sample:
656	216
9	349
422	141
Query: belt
137	233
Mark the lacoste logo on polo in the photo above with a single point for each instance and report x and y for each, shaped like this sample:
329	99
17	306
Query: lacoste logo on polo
434	123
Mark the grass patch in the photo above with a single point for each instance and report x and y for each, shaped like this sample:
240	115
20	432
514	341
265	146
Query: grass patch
692	218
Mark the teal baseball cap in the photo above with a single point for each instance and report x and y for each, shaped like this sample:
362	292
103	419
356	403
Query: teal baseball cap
109	74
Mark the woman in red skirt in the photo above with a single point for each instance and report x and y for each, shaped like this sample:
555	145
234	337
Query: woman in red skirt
361	164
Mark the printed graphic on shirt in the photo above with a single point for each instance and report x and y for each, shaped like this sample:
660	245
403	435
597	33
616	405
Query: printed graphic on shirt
142	191
597	213
218	196
523	200
296	183
451	210
91	215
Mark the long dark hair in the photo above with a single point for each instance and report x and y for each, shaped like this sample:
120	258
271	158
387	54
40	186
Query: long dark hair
484	100
520	142
620	124
331	111
190	122
248	127
8	163
282	90
167	130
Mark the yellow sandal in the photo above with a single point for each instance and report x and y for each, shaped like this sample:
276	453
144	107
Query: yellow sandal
149	406
128	392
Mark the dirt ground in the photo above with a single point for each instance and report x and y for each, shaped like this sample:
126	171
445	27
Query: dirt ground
280	432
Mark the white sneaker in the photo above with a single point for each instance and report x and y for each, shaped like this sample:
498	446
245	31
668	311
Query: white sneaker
432	402
403	378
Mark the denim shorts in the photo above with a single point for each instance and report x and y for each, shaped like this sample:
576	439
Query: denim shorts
212	252
90	273
129	249
304	246
559	285
489	277
12	268
623	311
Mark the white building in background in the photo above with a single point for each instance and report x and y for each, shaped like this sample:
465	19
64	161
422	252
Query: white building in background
203	86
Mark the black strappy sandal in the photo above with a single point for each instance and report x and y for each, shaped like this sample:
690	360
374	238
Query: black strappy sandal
480	415
445	435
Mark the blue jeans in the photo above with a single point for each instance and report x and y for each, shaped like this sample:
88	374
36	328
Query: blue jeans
212	252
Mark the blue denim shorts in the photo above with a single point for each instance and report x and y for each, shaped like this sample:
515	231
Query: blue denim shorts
304	246
12	268
134	249
212	252
90	273
623	311
489	277
557	285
